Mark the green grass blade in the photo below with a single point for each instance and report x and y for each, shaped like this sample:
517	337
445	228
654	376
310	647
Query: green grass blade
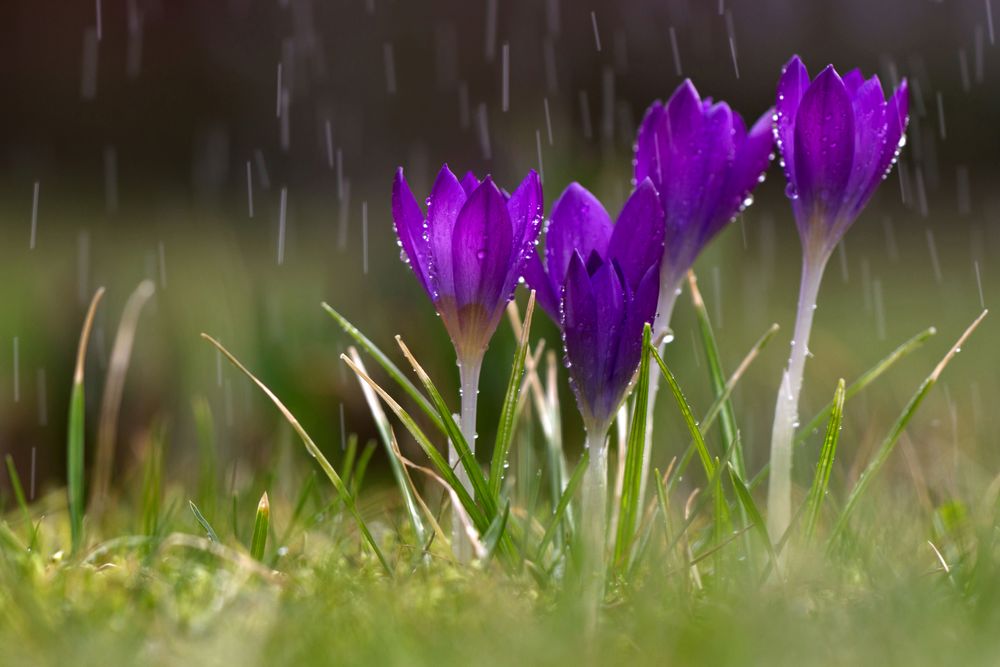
685	408
75	436
821	482
440	464
347	462
361	467
260	525
300	505
203	522
723	398
564	501
403	480
207	457
663	502
15	484
757	522
727	416
390	368
497	529
480	485
713	411
629	507
867	378
505	427
314	451
152	484
889	443
855	387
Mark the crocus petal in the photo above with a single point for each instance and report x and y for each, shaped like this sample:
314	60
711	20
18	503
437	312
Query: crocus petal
869	142
682	157
546	293
719	154
579	223
791	87
753	155
481	249
409	221
896	118
525	209
469	183
637	240
853	81
824	146
641	311
443	206
609	305
579	325
648	162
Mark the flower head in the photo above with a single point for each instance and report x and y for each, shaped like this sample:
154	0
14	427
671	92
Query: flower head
839	138
469	249
704	163
600	282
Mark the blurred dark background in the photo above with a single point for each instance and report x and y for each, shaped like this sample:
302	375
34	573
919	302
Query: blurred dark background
137	135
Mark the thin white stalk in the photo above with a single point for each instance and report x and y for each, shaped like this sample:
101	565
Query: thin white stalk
468	372
786	409
594	525
669	291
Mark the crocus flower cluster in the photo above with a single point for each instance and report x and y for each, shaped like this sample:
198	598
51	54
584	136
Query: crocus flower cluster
600	282
468	250
704	164
696	165
839	138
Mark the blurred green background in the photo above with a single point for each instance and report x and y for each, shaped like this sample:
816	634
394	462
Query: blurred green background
140	136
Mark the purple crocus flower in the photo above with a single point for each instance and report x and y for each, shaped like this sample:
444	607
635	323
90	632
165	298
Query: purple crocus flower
600	282
839	138
468	250
704	163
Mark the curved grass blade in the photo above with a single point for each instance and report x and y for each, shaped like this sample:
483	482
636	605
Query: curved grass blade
440	464
491	538
390	368
821	482
866	379
361	467
505	428
855	387
75	438
628	511
685	408
258	542
757	523
203	522
111	399
727	418
885	449
564	501
314	451
15	485
403	480
207	457
476	477
713	410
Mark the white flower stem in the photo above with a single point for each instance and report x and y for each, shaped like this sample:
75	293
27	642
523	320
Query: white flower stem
468	372
594	523
661	336
786	410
